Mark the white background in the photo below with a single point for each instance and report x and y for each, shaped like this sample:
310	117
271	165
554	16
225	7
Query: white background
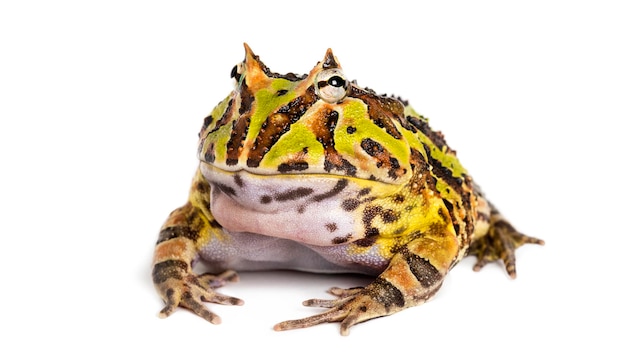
100	105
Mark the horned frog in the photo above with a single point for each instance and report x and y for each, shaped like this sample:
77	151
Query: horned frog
314	173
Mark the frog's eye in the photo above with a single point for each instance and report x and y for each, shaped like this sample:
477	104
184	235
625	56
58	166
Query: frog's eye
331	85
236	72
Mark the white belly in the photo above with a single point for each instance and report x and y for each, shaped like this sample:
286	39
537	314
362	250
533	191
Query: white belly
276	222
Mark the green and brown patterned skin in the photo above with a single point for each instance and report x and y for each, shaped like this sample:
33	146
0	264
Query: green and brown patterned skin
315	173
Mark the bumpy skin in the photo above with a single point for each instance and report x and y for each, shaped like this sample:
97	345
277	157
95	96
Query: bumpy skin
315	173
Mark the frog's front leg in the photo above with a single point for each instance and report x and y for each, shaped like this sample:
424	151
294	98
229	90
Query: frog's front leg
186	230
413	275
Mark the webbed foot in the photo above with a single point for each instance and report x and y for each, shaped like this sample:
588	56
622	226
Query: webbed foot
500	243
180	288
353	306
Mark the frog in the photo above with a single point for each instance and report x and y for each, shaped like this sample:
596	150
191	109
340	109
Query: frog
317	174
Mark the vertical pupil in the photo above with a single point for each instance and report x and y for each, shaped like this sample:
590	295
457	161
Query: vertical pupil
336	81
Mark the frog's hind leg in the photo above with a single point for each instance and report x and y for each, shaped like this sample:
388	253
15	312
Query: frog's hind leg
499	243
413	276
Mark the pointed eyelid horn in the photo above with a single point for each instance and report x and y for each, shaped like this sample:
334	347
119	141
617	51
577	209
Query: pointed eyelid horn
330	61
252	65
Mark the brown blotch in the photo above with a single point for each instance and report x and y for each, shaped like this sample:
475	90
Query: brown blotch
331	227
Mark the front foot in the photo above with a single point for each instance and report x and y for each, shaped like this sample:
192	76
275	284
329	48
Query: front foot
182	289
354	305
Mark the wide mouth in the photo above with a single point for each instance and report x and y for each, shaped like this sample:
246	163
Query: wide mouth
312	187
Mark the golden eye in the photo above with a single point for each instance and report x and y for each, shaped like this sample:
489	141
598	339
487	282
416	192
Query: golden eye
331	85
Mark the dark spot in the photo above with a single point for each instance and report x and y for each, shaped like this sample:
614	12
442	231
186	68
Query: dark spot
350	204
443	215
343	164
363	309
389	216
369	238
209	156
341	240
238	180
207	121
370	212
281	92
265	199
293	166
372	147
364	243
202	187
293	194
341	184
226	189
301	209
398	198
351	129
365	191
331	227
371	232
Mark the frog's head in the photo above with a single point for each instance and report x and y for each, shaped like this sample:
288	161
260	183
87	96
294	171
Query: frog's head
320	123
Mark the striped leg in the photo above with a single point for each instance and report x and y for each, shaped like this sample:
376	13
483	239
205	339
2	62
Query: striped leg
414	275
185	231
